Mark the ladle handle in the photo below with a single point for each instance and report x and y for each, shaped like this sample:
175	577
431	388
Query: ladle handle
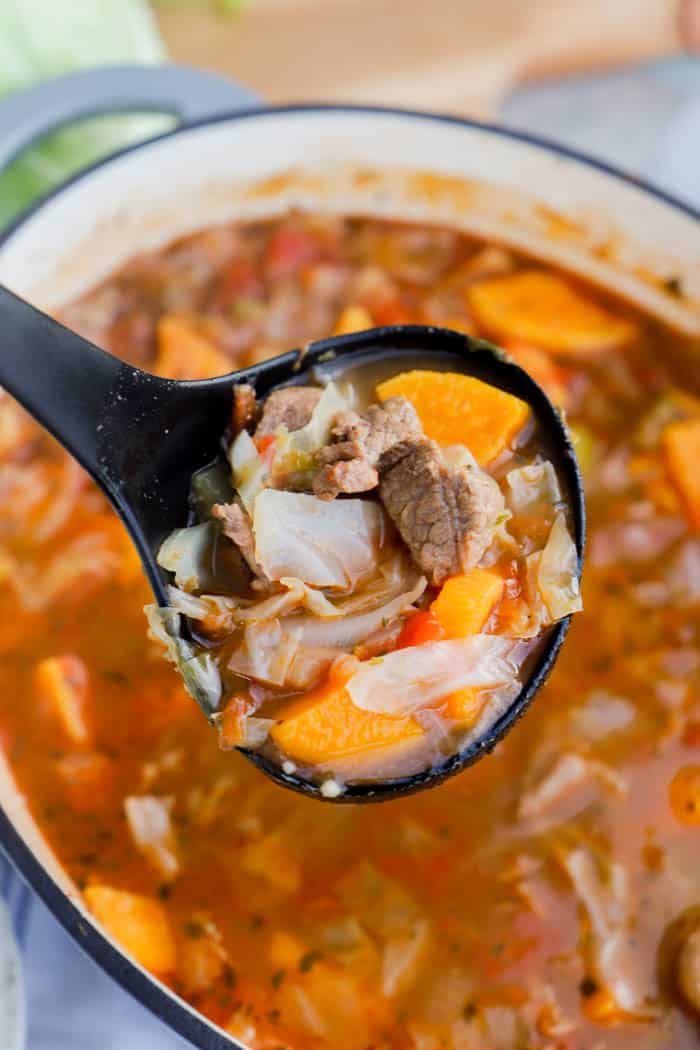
64	381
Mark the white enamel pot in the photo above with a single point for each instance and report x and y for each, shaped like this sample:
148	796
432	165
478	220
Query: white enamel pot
232	158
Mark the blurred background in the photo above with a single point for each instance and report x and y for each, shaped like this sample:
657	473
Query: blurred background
614	79
617	79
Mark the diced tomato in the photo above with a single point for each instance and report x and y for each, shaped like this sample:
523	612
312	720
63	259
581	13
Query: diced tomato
240	278
691	736
263	443
391	311
289	251
88	779
422	627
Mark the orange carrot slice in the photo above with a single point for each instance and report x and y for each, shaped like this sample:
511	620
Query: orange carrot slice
465	602
184	352
459	410
681	442
138	923
545	309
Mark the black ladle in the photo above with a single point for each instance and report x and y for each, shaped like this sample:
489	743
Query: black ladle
141	438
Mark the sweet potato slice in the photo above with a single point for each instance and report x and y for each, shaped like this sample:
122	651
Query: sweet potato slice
138	923
546	310
465	602
184	352
681	442
325	726
459	410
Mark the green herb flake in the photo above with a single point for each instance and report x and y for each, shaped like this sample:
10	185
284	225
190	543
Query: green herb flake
277	978
308	960
588	987
192	929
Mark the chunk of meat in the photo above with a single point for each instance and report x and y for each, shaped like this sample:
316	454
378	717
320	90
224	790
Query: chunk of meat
245	407
349	475
238	527
290	408
349	463
445	514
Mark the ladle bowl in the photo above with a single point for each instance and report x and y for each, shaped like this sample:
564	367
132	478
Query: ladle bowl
142	437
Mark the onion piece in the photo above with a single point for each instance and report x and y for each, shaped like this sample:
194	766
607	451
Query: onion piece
408	679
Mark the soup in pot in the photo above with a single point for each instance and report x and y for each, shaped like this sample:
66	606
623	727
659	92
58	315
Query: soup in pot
547	898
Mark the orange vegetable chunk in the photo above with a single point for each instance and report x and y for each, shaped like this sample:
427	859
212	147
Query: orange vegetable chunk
544	370
184	352
684	795
465	602
138	923
547	310
420	627
681	443
456	409
326	725
64	681
464	705
353	319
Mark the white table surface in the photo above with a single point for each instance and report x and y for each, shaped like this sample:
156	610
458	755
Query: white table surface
645	120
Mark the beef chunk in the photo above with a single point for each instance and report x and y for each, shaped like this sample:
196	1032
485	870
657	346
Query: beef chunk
445	514
291	408
349	463
239	529
245	407
349	475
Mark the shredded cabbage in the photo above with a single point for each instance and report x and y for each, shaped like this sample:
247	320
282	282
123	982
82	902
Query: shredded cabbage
408	679
200	674
266	652
325	544
187	553
348	631
532	484
204	607
317	431
557	573
249	470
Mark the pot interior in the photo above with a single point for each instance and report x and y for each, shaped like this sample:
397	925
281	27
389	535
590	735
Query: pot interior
583	218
